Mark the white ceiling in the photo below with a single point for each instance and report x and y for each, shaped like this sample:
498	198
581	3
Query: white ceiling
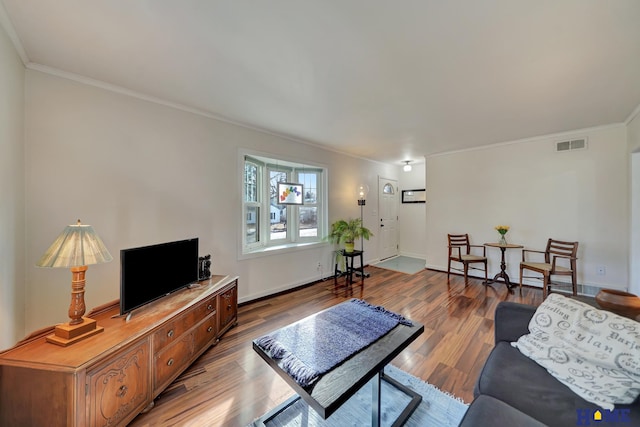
384	80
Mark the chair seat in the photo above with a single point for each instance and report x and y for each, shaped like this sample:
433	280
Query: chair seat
460	250
542	266
469	258
567	251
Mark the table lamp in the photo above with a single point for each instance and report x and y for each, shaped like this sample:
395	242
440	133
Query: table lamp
76	247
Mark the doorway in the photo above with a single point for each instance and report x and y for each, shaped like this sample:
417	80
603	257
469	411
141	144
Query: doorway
388	208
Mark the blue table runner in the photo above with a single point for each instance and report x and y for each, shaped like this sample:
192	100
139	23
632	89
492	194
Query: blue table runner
315	345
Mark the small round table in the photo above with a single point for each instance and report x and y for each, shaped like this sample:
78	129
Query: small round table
503	265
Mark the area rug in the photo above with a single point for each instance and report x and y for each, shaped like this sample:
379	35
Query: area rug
403	264
436	409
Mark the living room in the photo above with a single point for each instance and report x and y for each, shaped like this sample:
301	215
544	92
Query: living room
144	170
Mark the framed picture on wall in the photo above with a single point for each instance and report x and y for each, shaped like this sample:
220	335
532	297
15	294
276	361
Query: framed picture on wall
414	196
289	193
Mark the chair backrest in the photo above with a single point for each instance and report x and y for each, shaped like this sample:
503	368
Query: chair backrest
558	247
461	240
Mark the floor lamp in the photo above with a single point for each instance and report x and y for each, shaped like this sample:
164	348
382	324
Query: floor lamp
75	248
363	190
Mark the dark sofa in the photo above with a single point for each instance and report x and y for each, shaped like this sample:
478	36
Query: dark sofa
513	390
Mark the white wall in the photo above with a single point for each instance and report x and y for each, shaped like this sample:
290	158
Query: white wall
143	173
576	196
11	193
412	224
633	137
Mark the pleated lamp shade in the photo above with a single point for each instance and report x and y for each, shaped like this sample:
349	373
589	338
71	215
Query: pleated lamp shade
77	245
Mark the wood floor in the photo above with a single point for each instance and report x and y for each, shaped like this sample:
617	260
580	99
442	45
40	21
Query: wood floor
230	385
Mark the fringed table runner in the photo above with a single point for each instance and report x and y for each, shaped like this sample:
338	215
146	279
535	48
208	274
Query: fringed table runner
316	344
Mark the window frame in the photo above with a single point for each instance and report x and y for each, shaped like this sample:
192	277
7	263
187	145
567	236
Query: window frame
267	163
252	204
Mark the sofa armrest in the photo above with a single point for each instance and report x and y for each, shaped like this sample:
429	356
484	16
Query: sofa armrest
512	320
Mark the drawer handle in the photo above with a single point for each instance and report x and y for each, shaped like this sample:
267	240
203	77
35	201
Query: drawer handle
170	333
209	307
170	362
122	391
210	328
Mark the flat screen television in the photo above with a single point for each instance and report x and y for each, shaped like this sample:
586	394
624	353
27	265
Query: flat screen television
150	272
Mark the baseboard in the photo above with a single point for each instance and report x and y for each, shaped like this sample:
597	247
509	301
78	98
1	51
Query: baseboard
583	289
412	255
285	290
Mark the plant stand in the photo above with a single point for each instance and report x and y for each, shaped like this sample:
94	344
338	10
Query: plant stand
349	269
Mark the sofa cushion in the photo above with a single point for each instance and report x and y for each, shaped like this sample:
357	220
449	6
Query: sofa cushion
512	320
593	352
490	412
521	383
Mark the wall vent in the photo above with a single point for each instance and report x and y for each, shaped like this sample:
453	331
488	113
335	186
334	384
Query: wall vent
573	144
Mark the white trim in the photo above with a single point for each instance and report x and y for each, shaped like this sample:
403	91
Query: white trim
139	95
6	23
280	249
633	115
532	139
413	255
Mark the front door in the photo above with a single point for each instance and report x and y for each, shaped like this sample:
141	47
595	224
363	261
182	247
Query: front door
388	208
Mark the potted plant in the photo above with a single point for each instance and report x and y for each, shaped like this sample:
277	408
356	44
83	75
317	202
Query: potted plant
348	232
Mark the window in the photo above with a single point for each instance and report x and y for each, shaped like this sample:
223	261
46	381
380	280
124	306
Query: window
281	224
251	202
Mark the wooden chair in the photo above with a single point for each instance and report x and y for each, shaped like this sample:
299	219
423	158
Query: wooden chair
460	251
559	259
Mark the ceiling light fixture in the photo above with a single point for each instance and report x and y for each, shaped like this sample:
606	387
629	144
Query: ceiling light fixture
407	167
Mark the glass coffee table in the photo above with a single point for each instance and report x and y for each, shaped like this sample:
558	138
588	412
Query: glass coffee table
335	387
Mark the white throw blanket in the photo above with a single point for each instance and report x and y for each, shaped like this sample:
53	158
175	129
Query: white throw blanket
594	352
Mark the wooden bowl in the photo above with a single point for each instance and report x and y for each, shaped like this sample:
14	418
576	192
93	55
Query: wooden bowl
619	302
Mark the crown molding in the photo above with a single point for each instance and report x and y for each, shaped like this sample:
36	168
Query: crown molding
175	105
531	139
633	115
5	22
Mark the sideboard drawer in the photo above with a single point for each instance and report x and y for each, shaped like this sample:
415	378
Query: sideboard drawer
173	330
205	308
205	332
172	360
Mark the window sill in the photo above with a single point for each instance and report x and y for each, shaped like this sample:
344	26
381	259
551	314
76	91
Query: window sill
279	249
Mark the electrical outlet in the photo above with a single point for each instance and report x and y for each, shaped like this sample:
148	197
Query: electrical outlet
601	270
319	266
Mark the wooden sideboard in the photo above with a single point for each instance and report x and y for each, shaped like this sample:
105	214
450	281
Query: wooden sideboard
108	379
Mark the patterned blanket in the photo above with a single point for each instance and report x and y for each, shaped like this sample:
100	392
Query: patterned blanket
595	353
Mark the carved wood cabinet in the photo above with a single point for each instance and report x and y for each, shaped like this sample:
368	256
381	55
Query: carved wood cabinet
108	379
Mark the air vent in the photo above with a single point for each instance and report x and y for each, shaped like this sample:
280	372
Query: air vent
574	144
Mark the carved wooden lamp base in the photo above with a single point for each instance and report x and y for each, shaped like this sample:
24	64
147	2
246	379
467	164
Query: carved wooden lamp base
79	327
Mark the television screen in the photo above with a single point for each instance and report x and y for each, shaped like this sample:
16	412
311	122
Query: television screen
150	272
